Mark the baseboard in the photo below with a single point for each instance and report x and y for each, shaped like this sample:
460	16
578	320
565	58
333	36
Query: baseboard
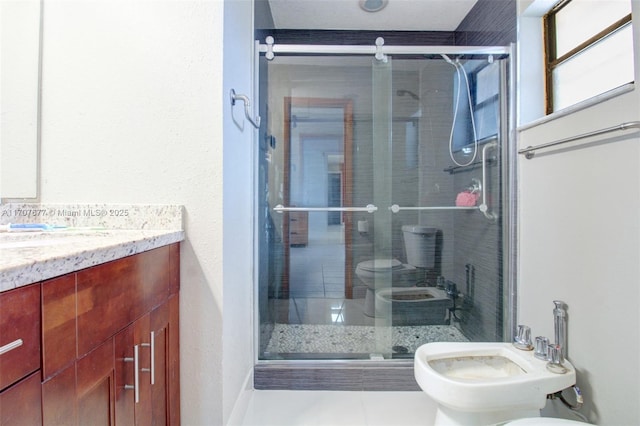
242	402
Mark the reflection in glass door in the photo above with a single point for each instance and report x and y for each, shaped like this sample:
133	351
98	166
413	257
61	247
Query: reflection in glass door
381	192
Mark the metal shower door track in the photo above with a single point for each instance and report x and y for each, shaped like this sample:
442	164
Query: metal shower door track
379	50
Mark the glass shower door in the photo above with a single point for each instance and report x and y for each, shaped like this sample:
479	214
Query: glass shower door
366	249
326	172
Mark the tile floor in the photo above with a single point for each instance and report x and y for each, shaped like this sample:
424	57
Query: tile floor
338	408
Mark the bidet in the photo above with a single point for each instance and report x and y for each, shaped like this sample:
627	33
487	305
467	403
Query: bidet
478	383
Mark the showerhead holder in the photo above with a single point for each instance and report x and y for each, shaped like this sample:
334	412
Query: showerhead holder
476	186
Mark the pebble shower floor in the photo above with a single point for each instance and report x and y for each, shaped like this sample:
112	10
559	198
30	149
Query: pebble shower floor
305	338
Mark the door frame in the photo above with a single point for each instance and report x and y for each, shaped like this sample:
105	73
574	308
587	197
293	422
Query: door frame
347	194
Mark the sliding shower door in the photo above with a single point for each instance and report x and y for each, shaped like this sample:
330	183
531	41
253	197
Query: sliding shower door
380	200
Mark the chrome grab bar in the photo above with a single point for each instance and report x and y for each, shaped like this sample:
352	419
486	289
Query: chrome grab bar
370	208
483	207
529	152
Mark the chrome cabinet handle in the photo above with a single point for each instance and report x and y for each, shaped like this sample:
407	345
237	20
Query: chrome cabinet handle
152	347
136	374
10	346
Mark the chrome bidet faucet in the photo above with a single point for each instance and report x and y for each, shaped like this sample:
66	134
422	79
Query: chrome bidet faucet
560	326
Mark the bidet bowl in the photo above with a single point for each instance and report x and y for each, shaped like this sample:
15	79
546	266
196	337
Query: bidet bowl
486	377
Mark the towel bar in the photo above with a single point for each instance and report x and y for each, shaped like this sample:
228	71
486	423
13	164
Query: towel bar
529	152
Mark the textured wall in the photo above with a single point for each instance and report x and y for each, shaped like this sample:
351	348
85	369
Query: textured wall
133	108
489	23
580	243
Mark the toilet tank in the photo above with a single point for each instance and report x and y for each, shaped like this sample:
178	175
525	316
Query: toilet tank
420	245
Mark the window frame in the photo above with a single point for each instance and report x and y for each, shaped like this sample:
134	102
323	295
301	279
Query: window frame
552	61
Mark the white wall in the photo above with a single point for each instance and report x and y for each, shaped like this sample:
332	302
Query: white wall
135	110
580	243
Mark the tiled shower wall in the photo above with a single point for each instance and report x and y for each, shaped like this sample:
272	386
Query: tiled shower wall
490	23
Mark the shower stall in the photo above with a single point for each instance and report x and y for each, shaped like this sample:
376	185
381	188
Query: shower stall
384	200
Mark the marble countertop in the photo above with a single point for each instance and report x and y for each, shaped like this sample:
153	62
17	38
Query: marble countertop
31	257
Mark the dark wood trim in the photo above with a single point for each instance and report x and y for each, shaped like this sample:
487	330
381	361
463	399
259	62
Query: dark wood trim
551	59
591	41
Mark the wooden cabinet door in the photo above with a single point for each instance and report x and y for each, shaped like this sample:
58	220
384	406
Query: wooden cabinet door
173	367
83	393
96	386
133	391
20	404
159	388
165	392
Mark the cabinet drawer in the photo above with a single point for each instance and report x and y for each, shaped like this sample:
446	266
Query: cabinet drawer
19	333
113	295
20	404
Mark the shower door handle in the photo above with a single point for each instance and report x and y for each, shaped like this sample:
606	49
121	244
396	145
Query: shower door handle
370	208
396	208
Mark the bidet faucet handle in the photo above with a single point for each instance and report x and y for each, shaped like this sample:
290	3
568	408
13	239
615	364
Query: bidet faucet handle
523	338
556	360
542	348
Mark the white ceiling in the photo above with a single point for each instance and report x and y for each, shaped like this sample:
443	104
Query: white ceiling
399	15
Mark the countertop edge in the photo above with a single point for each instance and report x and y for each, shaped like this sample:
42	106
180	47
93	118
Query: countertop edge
87	256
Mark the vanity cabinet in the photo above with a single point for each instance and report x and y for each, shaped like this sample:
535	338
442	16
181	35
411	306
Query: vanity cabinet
20	356
111	343
298	228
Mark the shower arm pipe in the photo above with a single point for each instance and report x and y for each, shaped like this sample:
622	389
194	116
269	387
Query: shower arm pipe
483	207
529	152
370	208
270	49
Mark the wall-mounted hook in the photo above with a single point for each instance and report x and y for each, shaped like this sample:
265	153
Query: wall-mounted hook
247	107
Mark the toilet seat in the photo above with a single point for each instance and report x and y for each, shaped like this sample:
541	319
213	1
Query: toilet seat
403	274
380	265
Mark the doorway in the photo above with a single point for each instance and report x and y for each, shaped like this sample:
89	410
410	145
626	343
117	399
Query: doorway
318	145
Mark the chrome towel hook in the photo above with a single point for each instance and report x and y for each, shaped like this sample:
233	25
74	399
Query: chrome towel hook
247	107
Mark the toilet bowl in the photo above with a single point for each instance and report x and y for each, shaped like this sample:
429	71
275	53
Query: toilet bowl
420	245
413	306
384	271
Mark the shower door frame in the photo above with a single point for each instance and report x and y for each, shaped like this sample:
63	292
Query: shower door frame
347	181
397	374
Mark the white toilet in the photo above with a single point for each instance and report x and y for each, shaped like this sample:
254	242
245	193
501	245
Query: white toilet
420	246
